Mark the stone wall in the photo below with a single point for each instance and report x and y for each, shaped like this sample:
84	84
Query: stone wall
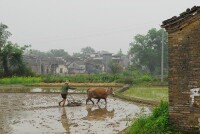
184	75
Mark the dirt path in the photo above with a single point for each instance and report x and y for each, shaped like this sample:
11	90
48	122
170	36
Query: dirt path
40	113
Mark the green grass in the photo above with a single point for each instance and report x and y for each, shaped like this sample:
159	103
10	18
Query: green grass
155	123
149	93
20	80
80	78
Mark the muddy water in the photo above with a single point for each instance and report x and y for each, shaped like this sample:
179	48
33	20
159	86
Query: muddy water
22	113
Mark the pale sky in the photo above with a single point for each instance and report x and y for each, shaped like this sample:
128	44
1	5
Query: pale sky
108	25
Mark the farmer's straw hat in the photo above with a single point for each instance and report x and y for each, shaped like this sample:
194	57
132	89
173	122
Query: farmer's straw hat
66	82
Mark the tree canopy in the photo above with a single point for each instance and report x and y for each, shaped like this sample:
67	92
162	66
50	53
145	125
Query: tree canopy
115	67
146	50
84	52
11	60
4	34
58	53
87	50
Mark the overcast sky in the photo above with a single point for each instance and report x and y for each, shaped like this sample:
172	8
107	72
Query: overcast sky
108	25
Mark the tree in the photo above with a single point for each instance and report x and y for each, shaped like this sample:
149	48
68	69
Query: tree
115	67
147	50
84	52
51	53
12	60
87	50
4	34
35	52
77	55
58	53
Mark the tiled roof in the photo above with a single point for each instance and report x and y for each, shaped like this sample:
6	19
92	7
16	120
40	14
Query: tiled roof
175	21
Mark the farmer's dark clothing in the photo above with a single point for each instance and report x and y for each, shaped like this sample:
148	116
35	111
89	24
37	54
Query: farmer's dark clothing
64	91
64	96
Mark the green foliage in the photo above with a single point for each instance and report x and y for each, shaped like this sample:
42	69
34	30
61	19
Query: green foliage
84	52
51	53
115	67
94	78
4	34
87	50
35	52
81	78
156	123
87	78
126	80
133	76
154	93
146	78
20	80
53	78
12	62
147	51
58	53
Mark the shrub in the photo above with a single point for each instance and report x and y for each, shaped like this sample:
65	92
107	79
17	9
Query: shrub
156	123
126	80
53	78
146	78
93	78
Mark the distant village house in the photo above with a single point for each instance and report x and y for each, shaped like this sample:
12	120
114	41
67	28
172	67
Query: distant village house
95	63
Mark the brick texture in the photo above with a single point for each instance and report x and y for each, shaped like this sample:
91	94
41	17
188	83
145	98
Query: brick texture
184	75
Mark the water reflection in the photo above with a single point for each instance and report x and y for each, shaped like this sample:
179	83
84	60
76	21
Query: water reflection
7	90
98	113
41	114
30	89
45	90
64	120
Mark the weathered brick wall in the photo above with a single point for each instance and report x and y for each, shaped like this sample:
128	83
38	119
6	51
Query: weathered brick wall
184	75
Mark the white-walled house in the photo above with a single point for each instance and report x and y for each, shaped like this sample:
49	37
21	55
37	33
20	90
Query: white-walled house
46	65
76	67
61	69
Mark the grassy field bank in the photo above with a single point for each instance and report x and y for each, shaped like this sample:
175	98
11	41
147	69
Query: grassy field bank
148	93
20	80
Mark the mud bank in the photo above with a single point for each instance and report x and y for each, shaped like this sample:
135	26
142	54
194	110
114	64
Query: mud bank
40	113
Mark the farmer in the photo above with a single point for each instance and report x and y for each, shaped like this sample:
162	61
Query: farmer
64	92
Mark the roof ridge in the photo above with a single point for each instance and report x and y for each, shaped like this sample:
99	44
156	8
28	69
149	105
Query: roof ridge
186	14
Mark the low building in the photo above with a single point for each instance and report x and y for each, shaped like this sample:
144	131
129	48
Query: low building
76	67
46	65
100	61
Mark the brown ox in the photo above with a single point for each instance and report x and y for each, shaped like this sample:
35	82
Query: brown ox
98	93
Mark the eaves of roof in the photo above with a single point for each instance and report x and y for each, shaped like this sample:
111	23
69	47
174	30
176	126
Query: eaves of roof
175	22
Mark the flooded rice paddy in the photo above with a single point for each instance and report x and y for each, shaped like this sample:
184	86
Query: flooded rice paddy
38	112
